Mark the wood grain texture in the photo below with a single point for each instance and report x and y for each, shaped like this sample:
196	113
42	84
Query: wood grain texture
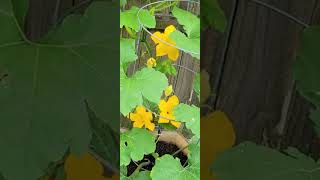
256	86
43	15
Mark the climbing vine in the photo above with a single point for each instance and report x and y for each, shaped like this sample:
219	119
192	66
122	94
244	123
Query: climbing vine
148	101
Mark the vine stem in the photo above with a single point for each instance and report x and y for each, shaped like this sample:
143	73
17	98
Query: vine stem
141	166
181	149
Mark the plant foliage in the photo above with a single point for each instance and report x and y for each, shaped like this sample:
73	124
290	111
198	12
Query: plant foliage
42	98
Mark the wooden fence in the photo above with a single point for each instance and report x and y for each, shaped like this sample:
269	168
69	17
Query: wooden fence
251	72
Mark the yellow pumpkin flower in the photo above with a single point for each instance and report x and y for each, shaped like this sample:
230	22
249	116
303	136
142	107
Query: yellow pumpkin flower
168	91
163	49
151	63
166	111
141	117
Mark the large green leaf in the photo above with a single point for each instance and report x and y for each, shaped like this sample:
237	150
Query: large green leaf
168	167
190	115
127	51
194	154
191	25
251	162
190	22
141	175
129	18
105	140
306	67
45	85
134	144
212	15
147	83
123	3
189	45
315	117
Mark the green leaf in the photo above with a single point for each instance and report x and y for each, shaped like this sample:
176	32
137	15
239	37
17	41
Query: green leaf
147	83
105	140
315	117
20	8
306	67
127	52
191	25
196	85
194	155
168	167
42	97
134	144
60	174
166	67
267	163
190	45
212	15
190	115
123	172
143	175
129	18
1	177
190	22
123	3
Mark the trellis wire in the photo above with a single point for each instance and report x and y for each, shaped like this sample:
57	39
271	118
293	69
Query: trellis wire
281	12
161	40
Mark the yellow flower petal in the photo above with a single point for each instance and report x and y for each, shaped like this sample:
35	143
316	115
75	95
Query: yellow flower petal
176	123
162	47
168	91
156	36
172	102
151	63
141	117
169	30
163	106
150	126
173	53
133	117
140	110
138	124
161	50
165	119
